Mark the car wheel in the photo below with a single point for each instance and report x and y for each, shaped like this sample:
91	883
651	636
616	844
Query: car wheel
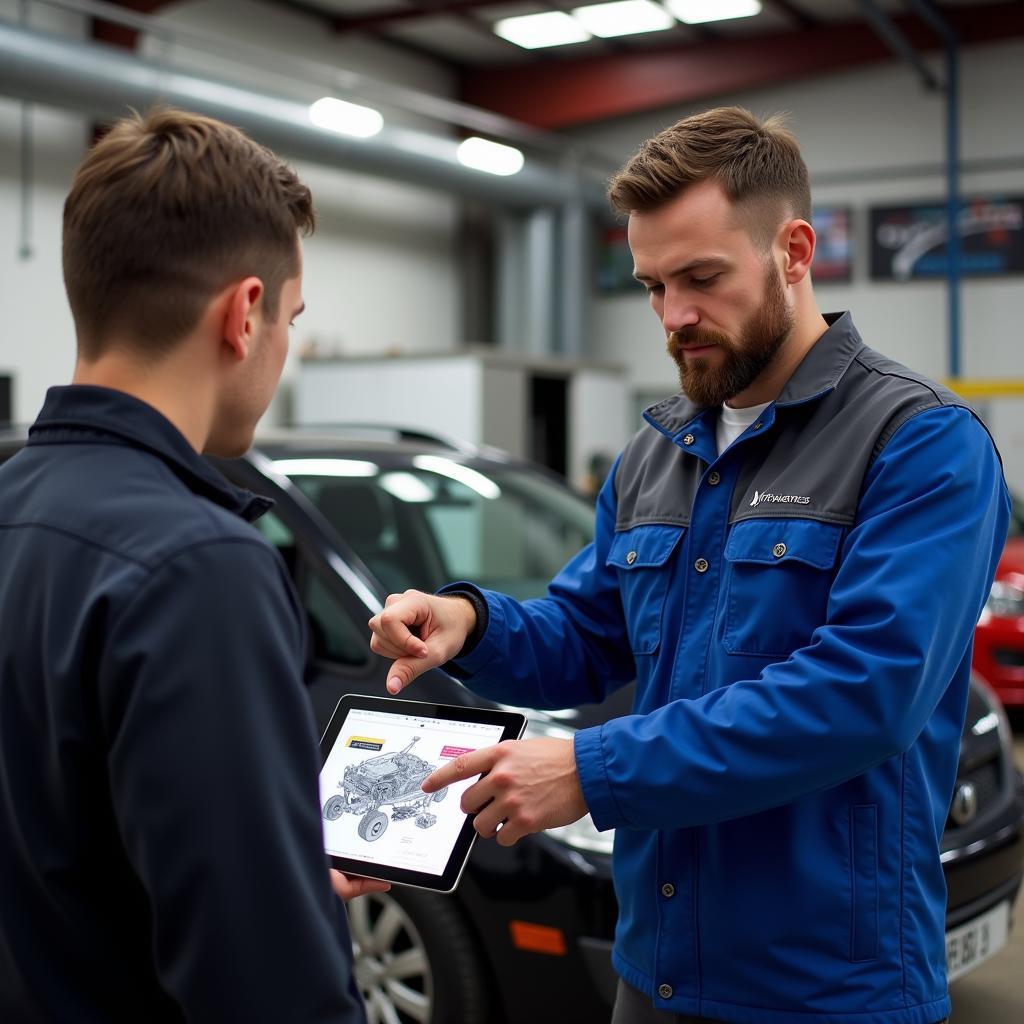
416	961
372	825
334	808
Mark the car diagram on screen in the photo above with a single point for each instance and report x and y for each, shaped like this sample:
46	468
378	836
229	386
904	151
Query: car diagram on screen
387	779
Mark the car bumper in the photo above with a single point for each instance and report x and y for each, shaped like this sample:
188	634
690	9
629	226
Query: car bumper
564	894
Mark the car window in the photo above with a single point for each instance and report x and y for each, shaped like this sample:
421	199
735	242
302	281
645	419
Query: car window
504	528
1016	517
334	636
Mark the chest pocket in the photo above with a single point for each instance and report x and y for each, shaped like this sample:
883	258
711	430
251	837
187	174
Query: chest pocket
779	575
643	558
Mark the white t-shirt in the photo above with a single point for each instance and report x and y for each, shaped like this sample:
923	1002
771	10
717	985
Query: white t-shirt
732	422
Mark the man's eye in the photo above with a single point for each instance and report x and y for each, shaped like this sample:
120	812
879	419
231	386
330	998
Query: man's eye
651	289
703	282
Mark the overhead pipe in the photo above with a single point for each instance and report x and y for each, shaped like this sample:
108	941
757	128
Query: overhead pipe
102	82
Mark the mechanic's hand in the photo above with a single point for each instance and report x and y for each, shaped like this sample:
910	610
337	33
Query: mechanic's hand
348	887
531	785
420	631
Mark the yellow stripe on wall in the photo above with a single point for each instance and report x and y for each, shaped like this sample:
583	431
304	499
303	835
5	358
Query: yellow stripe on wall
987	387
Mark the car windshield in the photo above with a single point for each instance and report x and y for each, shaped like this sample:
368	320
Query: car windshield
438	520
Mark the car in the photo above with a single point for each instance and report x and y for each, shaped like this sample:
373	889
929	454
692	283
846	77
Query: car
999	638
362	512
393	779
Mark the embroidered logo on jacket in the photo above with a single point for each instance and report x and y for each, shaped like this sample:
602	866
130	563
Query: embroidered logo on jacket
764	497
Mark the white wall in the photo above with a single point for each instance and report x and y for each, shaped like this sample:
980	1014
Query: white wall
36	333
381	271
878	117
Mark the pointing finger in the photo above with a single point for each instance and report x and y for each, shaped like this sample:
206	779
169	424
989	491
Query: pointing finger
465	766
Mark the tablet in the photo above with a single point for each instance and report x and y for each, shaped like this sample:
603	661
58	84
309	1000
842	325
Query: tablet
377	821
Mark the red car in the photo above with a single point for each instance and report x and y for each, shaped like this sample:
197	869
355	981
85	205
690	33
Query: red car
999	638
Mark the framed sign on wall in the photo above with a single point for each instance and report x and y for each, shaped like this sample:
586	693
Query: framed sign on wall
909	242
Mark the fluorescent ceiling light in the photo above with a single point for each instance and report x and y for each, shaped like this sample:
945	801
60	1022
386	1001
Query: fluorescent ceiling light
696	12
532	31
326	467
406	487
456	471
492	157
346	118
624	18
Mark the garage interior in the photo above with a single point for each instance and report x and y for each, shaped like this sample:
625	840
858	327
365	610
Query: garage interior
467	280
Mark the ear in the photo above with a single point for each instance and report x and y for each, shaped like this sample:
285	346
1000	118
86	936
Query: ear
797	240
242	315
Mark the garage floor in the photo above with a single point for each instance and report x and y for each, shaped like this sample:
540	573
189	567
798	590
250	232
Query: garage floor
994	993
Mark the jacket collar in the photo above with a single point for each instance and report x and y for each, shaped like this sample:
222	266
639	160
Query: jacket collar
88	414
818	373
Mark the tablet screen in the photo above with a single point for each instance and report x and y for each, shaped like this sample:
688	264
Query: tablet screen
374	812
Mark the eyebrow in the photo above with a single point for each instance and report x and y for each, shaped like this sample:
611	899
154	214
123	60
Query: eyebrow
697	264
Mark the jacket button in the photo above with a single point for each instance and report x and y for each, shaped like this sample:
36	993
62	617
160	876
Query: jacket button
713	477
631	558
668	890
689	439
701	565
758	425
665	991
779	550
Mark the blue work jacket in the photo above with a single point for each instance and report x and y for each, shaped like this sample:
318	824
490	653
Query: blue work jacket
798	612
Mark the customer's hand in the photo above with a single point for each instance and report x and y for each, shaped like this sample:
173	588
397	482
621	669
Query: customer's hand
529	785
420	631
348	887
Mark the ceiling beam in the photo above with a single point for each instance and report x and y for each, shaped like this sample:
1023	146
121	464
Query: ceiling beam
586	89
372	22
796	14
122	35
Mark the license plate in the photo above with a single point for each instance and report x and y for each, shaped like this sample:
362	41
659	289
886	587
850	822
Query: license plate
973	943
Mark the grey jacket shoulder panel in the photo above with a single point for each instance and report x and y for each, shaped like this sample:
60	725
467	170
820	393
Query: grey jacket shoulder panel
811	462
655	481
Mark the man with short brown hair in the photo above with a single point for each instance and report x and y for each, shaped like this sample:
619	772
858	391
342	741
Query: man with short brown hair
160	838
772	563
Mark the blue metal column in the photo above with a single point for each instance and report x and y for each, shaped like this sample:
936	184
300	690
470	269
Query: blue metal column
929	13
953	200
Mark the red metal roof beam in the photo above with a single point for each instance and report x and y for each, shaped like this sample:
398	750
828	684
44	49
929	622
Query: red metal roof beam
585	89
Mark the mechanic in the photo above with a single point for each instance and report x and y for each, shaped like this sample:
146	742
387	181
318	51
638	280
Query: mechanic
790	558
160	841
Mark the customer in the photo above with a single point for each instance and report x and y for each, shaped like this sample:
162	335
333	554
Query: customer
160	840
790	558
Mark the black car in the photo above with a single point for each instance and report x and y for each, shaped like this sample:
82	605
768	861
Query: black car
527	936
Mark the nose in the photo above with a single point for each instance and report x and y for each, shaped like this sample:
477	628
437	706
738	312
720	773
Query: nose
678	312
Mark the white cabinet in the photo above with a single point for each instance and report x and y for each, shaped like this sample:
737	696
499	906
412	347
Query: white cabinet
555	411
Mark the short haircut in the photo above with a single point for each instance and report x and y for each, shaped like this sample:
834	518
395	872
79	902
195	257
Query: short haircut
757	164
166	210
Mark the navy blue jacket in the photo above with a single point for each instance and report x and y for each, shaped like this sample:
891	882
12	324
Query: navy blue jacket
160	842
798	612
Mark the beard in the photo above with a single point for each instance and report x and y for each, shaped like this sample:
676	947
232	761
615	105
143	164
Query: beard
744	360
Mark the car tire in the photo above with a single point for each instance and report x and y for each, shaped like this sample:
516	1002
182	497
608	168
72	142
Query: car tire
372	826
416	960
334	808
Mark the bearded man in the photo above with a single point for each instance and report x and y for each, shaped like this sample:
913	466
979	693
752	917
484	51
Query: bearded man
772	564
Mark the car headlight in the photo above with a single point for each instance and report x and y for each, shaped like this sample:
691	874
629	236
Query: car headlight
995	718
1005	601
582	834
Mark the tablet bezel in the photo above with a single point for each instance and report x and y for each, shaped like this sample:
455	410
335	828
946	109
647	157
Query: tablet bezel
513	725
